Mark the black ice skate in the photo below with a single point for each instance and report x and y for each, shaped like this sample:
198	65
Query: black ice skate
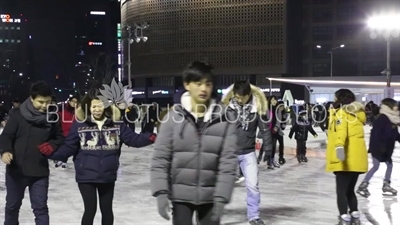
282	161
388	190
304	158
363	189
257	222
344	221
299	158
275	163
270	166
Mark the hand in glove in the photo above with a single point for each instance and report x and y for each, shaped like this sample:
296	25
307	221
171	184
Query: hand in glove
153	137
163	206
340	153
46	149
217	211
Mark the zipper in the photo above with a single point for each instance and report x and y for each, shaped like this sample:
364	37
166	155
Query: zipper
199	135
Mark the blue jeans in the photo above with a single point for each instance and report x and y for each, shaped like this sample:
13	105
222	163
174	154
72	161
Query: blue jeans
375	167
249	166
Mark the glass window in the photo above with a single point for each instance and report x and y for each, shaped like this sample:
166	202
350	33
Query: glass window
18	28
348	31
322	33
321	69
322	1
373	68
347	13
6	28
12	28
6	41
322	15
346	52
322	53
18	41
12	40
377	49
1	40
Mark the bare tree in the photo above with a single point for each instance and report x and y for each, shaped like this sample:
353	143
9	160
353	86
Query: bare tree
104	69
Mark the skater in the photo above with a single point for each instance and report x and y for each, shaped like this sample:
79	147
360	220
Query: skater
94	140
29	127
66	115
150	118
384	135
194	161
250	105
300	131
346	154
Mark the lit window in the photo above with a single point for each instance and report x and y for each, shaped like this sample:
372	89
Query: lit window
6	28
1	40
12	28
18	41
12	40
18	28
6	41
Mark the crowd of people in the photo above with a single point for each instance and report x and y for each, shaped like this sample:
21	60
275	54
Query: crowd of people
196	152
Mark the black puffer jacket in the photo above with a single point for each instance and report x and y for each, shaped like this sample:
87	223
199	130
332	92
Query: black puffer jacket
301	129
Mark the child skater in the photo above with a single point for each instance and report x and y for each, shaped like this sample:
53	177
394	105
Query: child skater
384	135
300	130
94	141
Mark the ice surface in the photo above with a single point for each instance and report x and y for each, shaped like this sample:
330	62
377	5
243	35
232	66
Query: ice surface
292	195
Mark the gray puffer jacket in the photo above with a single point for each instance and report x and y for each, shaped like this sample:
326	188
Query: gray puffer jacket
195	165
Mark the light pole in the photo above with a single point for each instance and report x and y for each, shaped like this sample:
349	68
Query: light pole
389	27
133	36
331	52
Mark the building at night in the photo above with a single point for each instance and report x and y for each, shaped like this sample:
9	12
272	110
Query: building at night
96	42
15	57
241	39
328	24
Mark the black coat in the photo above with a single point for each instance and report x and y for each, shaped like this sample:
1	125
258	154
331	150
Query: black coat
21	138
383	137
300	130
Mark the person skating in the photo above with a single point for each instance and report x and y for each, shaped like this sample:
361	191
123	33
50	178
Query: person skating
66	115
94	141
29	127
384	135
250	105
346	155
194	161
300	131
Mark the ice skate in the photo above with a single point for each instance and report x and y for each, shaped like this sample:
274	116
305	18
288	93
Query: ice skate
304	158
355	218
388	190
299	159
58	164
282	161
64	166
275	163
257	222
344	220
270	166
363	189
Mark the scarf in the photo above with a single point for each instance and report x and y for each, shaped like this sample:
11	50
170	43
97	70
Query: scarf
33	115
393	116
243	111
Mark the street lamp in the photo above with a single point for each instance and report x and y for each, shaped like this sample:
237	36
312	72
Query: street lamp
389	27
134	36
331	52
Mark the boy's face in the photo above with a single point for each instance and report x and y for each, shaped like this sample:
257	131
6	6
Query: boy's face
200	91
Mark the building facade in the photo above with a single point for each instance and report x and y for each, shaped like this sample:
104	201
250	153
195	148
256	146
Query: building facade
15	57
331	23
241	39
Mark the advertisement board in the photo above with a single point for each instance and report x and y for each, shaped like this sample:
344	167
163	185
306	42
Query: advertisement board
156	92
138	93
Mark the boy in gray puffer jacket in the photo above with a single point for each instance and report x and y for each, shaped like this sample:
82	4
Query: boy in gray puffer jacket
194	161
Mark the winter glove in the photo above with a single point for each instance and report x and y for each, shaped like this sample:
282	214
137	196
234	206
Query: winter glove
46	149
218	210
163	206
340	153
153	137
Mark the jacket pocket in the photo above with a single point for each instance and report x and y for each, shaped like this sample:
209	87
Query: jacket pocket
111	164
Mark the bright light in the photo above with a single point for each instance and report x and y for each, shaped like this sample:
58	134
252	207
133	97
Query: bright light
335	82
385	22
97	13
95	43
342	46
20	74
318	46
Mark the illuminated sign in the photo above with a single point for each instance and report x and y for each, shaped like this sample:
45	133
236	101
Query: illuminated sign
95	43
138	93
99	13
272	89
6	18
157	92
163	92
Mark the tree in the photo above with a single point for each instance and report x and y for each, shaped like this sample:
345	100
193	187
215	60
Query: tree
104	69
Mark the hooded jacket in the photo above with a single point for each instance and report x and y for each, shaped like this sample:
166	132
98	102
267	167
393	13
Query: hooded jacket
258	119
21	136
194	161
346	129
96	146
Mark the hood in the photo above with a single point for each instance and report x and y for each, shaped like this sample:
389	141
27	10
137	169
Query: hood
115	114
186	104
260	103
357	109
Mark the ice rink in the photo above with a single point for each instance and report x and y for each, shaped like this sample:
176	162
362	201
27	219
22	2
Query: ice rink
291	195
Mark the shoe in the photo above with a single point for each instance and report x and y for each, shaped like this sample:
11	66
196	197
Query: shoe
299	159
275	164
257	222
239	180
304	158
269	165
64	167
282	161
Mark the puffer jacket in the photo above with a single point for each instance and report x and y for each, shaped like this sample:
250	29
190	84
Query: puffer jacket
300	130
258	119
346	129
191	163
96	147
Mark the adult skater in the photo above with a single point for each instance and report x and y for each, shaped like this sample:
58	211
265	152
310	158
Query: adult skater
346	154
29	127
250	105
384	135
194	161
94	140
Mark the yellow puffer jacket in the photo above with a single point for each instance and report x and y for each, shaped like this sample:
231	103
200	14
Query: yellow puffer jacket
346	128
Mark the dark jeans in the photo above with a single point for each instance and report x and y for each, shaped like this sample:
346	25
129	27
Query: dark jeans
345	185
277	138
301	148
182	214
38	190
89	195
148	127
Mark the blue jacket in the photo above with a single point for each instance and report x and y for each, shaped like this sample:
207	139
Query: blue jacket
96	152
